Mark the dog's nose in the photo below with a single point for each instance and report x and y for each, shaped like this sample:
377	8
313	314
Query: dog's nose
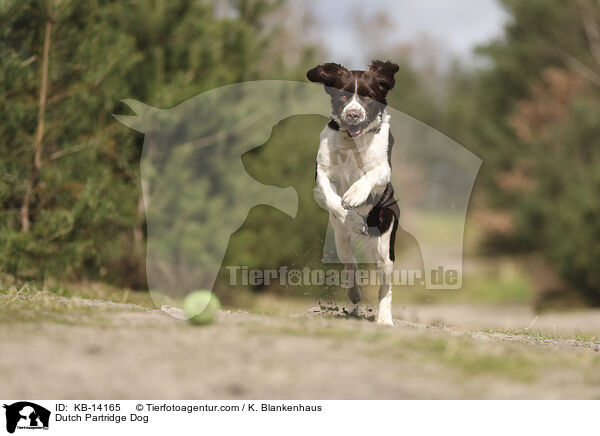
353	116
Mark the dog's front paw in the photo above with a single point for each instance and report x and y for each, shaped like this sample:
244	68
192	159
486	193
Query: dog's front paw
356	194
357	223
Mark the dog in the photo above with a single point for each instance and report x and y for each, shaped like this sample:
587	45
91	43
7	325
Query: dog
354	170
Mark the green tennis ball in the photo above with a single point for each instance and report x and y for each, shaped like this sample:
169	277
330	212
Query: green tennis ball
200	307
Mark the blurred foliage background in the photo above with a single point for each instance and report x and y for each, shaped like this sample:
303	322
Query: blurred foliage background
70	190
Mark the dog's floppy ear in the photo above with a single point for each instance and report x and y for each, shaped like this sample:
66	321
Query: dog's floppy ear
327	74
384	72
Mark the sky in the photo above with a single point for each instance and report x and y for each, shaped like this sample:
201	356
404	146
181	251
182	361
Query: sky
456	26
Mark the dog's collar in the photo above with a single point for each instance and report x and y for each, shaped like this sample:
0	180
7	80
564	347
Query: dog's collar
333	124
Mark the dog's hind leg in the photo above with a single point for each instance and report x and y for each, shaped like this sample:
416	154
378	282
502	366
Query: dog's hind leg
343	245
385	267
385	293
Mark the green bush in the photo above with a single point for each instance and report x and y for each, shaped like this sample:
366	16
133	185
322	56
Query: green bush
561	215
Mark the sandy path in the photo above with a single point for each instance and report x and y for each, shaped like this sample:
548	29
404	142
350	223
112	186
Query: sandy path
130	352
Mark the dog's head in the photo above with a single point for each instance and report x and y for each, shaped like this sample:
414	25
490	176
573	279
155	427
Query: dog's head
357	97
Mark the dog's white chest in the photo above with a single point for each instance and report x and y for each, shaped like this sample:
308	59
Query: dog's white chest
348	159
348	167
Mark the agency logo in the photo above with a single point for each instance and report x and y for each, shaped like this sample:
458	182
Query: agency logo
26	415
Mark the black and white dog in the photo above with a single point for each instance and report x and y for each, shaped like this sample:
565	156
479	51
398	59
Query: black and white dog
354	169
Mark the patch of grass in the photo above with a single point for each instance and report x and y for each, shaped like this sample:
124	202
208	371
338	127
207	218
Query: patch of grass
440	225
86	290
544	335
484	287
38	306
27	304
463	355
471	359
513	287
101	291
306	328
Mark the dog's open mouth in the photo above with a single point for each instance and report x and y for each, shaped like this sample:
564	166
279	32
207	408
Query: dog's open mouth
354	130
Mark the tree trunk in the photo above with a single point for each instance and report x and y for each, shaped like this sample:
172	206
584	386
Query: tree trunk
39	134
